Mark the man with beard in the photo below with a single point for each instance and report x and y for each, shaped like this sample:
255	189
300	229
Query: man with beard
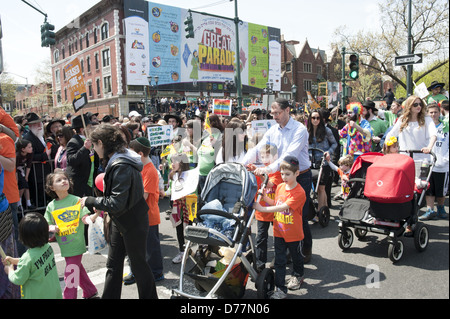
357	131
41	160
51	128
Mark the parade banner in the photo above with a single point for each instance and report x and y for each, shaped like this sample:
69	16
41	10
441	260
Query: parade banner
67	219
222	107
77	87
156	45
136	42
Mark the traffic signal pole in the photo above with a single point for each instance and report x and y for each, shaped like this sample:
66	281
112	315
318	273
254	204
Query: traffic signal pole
344	86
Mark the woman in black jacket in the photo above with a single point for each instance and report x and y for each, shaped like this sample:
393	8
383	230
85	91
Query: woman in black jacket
123	200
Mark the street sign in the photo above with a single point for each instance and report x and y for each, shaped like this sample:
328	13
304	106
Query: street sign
408	59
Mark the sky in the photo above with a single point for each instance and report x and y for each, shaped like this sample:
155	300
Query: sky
299	20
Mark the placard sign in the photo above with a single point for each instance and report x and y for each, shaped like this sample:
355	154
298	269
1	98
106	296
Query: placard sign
160	135
77	87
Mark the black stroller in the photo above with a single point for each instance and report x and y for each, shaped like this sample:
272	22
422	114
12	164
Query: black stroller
317	167
383	199
220	244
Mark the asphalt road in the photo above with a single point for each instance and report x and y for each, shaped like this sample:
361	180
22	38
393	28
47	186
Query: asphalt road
362	272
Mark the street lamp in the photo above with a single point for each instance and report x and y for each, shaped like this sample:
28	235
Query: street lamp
294	93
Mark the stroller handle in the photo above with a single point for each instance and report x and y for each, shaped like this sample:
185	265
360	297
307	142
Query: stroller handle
411	152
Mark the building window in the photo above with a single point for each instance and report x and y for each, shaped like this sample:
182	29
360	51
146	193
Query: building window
105	31
105	58
319	69
81	44
56	55
90	89
65	94
58	96
63	53
285	80
96	61
98	87
288	67
88	62
87	40
82	66
307	67
57	76
307	85
107	84
95	35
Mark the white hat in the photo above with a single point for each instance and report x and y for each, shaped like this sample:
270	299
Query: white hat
133	114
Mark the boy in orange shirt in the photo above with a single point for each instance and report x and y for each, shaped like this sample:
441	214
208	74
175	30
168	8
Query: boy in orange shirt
150	177
287	227
268	154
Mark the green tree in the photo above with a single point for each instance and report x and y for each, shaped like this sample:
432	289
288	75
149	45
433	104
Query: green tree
429	34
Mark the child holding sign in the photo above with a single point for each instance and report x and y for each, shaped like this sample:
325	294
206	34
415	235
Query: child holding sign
64	215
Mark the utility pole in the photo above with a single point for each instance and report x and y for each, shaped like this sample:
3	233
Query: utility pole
344	86
410	66
238	62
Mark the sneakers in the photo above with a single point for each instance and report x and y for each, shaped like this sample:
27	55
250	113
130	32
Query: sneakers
277	294
129	279
295	282
441	212
178	258
429	215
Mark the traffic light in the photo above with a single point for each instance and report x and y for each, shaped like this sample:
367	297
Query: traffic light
189	22
47	34
354	66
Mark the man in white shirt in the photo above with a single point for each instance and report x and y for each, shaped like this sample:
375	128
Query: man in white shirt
291	139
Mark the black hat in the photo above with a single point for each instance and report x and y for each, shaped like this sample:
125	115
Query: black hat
49	125
77	122
156	117
90	115
176	117
107	119
369	105
33	118
435	84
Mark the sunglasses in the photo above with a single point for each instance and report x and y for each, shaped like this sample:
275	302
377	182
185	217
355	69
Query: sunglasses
315	118
417	104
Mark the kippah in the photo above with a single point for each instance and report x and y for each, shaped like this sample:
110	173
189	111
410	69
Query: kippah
143	141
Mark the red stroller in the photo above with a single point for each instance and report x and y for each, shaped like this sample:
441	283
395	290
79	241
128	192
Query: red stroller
383	200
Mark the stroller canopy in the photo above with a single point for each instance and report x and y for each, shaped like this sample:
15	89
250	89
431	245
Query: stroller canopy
390	179
232	173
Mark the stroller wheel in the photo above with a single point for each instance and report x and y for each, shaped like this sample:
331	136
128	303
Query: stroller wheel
395	251
265	283
421	237
324	216
345	238
360	233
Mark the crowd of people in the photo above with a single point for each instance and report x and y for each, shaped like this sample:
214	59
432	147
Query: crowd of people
49	171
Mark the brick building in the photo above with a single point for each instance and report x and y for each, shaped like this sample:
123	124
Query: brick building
96	39
34	98
303	66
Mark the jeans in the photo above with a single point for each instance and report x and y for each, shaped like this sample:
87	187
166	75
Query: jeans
305	181
75	275
281	248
